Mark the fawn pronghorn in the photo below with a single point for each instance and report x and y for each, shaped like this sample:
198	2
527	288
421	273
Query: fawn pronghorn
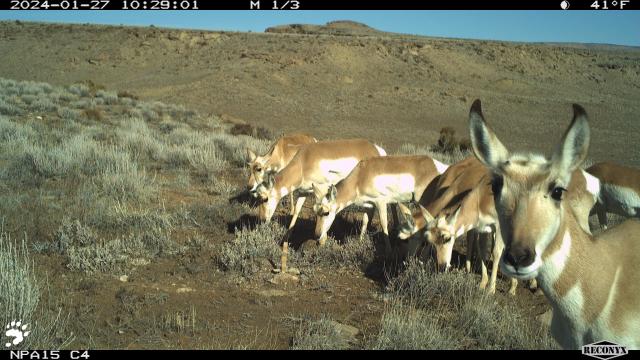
322	163
278	156
376	181
441	197
592	283
619	191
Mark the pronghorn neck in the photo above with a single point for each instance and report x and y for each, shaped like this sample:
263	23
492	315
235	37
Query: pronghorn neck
289	179
346	193
468	215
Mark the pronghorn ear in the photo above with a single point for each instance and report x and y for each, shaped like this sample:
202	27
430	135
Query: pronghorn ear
405	213
486	146
573	149
451	219
333	192
251	156
317	191
426	214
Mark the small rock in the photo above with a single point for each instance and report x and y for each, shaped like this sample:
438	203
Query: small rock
347	331
124	278
284	279
120	332
184	290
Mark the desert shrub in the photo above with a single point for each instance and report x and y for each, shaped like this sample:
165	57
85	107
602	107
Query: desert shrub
73	233
109	97
43	105
466	316
68	114
20	298
20	291
448	157
354	253
81	90
14	132
10	109
404	327
249	246
108	214
320	334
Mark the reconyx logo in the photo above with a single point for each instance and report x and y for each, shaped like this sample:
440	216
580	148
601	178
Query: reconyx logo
604	350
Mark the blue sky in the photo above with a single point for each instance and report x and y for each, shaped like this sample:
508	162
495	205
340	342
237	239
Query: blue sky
612	27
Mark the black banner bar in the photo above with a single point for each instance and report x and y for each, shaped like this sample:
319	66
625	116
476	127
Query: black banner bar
295	5
206	354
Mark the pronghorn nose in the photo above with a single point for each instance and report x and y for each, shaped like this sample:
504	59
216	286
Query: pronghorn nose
519	256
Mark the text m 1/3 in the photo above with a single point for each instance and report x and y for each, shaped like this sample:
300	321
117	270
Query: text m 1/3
275	5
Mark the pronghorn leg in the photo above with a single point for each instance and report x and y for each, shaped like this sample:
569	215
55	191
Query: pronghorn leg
601	211
366	216
470	243
513	287
498	247
382	213
485	277
291	204
296	211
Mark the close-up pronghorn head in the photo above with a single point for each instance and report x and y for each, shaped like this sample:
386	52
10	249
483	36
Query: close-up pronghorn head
422	226
257	171
265	193
325	200
529	192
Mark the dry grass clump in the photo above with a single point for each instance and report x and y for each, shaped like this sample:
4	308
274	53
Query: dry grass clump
431	310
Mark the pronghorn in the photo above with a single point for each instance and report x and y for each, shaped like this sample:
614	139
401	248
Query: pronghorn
592	283
278	156
477	212
322	163
441	197
619	192
376	181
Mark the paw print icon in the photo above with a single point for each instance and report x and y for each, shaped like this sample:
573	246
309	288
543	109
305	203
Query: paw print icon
16	331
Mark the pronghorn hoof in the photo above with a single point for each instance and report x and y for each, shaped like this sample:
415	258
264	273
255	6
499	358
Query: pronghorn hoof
483	285
512	292
492	291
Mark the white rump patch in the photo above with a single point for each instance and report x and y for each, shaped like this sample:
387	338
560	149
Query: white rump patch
335	170
395	186
441	167
620	200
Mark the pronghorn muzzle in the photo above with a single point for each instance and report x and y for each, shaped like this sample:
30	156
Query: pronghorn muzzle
519	256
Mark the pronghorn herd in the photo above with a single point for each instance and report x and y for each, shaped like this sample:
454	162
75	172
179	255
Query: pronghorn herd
537	209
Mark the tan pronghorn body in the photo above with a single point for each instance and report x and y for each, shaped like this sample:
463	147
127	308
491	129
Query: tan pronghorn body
440	199
619	192
278	156
322	163
592	283
376	181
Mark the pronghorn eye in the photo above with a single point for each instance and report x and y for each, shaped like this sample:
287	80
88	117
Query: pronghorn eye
556	193
258	169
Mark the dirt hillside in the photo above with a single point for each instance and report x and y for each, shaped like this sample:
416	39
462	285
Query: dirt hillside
348	80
